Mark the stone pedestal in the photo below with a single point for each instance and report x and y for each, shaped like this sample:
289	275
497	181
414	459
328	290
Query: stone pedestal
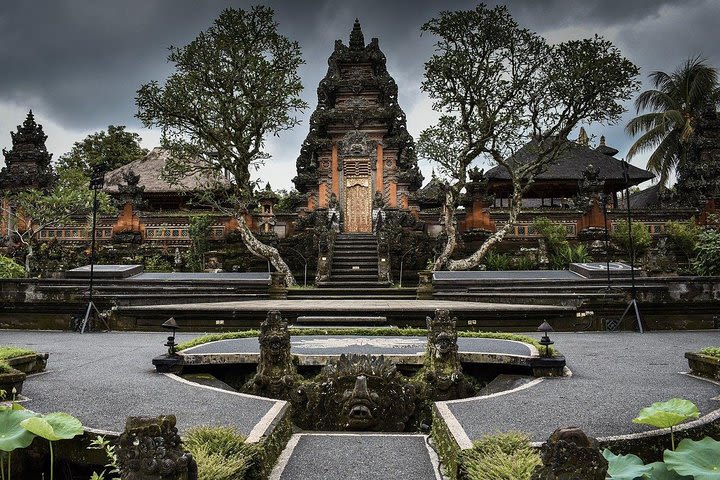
277	290
569	454
425	285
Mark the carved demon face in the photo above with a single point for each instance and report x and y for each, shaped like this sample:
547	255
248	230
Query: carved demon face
444	343
359	405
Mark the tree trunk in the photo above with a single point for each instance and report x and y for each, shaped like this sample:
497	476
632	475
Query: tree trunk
449	230
28	257
476	258
267	252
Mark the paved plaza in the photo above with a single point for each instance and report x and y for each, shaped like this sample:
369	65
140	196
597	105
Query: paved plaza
104	377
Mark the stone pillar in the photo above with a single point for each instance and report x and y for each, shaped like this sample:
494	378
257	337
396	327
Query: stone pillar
380	169
277	290
150	449
425	285
335	172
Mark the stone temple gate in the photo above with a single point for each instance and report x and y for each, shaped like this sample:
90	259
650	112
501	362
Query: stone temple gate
358	153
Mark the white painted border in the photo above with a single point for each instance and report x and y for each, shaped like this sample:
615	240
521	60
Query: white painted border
531	383
284	457
216	389
452	423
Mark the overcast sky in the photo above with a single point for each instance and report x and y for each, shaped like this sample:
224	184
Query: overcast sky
78	63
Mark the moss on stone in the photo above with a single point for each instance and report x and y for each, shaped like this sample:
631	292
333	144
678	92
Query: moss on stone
8	352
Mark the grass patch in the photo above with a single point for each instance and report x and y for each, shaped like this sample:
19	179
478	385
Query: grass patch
5	368
221	453
378	332
7	352
710	352
504	456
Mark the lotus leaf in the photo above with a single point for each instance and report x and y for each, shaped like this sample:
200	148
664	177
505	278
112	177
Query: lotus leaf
667	414
699	459
12	434
659	471
625	467
54	426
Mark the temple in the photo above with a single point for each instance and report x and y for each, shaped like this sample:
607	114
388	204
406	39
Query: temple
358	150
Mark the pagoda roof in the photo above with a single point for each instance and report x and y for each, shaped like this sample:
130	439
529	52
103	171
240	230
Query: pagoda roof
645	198
568	168
150	169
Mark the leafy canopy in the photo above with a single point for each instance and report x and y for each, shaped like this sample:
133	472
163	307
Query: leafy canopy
108	150
673	105
233	85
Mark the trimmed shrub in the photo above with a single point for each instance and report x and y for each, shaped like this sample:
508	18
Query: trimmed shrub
684	235
7	352
505	456
707	260
221	453
710	351
640	236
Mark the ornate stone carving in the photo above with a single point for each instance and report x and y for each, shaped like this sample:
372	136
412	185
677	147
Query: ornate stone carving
276	374
130	192
442	370
356	144
569	454
356	392
150	449
589	188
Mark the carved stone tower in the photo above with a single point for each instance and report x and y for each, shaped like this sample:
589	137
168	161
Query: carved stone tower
27	163
358	142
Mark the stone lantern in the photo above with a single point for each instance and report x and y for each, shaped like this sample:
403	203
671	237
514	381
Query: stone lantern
266	200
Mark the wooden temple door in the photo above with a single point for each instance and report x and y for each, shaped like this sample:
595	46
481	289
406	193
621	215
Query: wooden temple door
358	205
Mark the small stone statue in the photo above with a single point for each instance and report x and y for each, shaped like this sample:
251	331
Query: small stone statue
442	370
569	454
378	200
276	374
150	449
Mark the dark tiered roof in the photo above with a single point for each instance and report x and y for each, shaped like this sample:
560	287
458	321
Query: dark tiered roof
560	178
645	198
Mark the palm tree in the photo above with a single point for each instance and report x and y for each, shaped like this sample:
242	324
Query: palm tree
674	103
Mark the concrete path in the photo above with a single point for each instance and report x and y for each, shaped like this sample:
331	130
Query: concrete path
102	378
333	456
614	376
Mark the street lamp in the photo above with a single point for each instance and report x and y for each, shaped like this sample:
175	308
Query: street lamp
545	328
631	242
97	182
171	325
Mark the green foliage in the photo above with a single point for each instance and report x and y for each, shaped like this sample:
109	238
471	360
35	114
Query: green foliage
640	237
221	452
108	150
674	103
7	352
288	201
505	456
200	229
707	249
497	261
569	254
711	351
625	467
101	443
54	426
697	459
157	263
9	268
667	414
561	253
12	433
5	368
241	75
684	235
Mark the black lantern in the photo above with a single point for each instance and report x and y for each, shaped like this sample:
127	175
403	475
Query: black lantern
171	325
545	328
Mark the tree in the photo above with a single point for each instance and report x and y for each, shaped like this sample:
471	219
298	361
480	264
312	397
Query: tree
499	87
32	210
233	85
109	150
674	103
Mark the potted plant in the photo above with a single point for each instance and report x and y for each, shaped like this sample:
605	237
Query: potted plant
10	379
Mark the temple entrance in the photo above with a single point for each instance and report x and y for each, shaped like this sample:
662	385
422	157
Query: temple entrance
358	205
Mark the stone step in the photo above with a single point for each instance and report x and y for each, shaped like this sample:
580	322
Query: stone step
352	262
368	292
360	296
352	270
366	248
339	284
353	276
353	252
340	320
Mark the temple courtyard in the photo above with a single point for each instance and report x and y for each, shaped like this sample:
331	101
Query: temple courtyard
102	378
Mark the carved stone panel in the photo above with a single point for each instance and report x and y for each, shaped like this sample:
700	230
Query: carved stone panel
358	204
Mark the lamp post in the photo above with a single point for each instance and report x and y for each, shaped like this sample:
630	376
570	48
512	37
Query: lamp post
603	197
171	325
97	182
545	341
631	242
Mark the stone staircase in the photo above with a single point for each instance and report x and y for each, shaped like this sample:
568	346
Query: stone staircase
354	273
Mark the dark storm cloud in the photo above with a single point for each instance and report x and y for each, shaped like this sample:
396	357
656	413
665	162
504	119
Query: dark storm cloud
81	61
